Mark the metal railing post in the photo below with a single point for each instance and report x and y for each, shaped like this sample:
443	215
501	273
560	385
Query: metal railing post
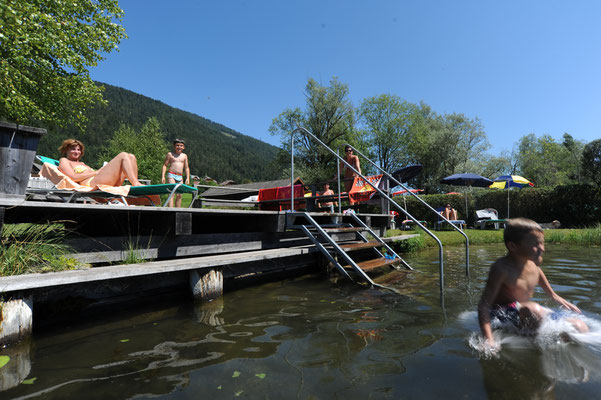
338	179
441	264
467	251
292	171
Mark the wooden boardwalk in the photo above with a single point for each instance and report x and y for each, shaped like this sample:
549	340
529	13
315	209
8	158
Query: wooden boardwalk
190	249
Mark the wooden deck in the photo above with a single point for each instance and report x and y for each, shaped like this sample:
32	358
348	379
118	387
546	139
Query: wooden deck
103	233
183	244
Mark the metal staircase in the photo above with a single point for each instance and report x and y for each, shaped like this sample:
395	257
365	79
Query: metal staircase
345	245
322	236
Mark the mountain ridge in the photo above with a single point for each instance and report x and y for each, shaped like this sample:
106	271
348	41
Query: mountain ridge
213	149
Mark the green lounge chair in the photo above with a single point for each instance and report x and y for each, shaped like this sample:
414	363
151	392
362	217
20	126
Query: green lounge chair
170	189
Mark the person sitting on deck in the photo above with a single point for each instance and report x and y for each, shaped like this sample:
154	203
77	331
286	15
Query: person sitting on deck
328	192
449	213
114	173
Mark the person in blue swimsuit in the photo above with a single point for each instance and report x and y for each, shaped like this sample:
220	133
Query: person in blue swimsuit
512	279
174	167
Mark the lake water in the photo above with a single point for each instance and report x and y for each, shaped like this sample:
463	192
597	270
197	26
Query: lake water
315	338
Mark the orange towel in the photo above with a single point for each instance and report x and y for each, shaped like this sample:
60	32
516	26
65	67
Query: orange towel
62	181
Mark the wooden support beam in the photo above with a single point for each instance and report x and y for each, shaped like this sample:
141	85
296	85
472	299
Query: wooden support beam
1	220
206	284
183	223
16	319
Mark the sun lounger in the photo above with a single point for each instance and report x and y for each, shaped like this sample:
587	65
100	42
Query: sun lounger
489	216
441	222
69	190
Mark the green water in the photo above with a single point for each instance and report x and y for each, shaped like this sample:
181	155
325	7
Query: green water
318	338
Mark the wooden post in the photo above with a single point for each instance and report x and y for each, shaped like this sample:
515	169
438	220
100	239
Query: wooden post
16	321
206	284
209	312
1	220
19	366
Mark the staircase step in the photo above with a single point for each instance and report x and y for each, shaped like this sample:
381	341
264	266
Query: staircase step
345	229
360	245
373	264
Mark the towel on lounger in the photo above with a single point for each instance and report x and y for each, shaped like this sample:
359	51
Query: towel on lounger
63	182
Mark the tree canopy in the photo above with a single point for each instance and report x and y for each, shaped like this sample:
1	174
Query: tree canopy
46	48
150	156
329	115
591	161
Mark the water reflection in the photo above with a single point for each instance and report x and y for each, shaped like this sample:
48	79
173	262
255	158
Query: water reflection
313	338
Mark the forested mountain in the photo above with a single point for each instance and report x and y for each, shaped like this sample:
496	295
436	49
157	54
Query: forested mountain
213	149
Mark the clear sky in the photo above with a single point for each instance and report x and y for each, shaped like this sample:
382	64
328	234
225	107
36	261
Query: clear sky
520	66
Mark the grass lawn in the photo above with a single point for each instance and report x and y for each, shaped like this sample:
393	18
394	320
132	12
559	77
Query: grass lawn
584	237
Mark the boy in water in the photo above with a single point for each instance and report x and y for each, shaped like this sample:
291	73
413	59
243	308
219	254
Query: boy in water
177	162
512	279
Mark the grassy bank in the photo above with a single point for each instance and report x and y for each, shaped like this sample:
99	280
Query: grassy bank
33	248
583	237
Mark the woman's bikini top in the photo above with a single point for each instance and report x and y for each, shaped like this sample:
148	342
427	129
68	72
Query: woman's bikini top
80	169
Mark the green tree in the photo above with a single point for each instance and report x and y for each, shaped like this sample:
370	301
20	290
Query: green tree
148	145
591	161
544	161
574	148
387	119
329	115
444	145
46	48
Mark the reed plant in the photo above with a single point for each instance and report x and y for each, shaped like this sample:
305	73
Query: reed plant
34	248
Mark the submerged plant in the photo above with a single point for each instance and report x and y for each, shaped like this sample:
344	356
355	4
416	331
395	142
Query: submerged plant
32	248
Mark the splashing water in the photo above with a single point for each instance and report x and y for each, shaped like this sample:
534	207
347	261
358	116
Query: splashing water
566	354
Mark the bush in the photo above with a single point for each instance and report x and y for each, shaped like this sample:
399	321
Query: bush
31	248
575	206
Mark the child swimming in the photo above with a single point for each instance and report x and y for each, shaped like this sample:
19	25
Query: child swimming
512	279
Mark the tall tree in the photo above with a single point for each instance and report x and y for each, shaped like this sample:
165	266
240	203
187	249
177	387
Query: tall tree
574	148
591	161
444	145
46	48
329	115
544	161
386	119
148	145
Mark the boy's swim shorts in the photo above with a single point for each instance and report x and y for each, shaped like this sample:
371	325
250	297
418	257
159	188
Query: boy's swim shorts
507	313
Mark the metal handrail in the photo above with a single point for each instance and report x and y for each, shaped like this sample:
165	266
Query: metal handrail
467	240
440	252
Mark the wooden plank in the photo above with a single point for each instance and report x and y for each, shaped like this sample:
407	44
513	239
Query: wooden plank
183	223
360	245
345	229
34	281
373	264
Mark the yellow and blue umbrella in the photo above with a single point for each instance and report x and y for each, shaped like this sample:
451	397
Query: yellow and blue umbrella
508	182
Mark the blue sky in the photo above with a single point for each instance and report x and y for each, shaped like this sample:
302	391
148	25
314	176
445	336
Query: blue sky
520	66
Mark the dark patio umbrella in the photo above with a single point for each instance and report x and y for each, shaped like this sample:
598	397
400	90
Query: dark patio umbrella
467	180
408	172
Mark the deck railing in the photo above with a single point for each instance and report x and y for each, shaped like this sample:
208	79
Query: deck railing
382	194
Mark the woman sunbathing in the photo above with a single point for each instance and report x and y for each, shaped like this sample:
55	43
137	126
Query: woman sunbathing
124	165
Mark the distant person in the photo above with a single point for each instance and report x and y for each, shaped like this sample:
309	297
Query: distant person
113	173
449	213
327	192
349	174
177	163
512	279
